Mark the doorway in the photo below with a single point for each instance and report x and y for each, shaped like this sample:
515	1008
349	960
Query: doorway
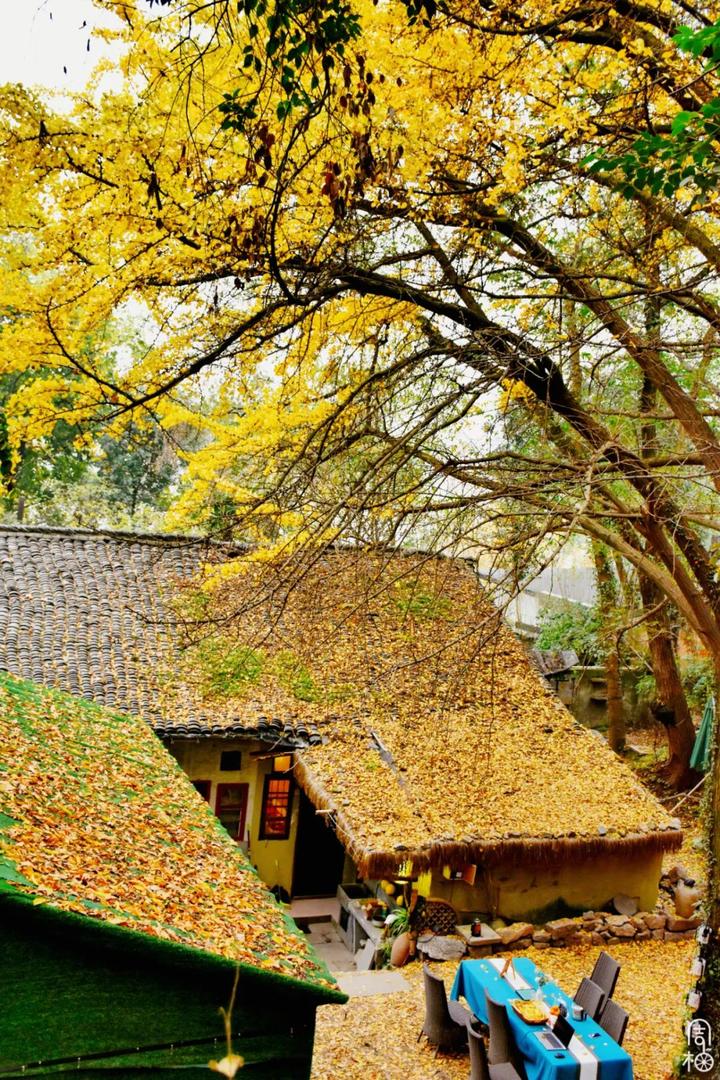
319	855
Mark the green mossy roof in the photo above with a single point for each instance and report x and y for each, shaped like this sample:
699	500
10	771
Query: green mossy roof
112	1003
97	820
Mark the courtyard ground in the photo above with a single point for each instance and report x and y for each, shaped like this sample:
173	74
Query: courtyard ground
374	1038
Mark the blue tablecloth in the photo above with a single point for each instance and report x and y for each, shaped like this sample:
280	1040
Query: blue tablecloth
474	977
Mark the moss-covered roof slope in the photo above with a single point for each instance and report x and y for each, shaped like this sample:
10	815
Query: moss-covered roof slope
97	819
442	742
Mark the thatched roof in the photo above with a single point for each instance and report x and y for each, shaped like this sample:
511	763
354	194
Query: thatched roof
97	820
92	613
442	742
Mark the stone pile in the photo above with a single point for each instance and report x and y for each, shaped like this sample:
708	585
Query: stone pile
599	928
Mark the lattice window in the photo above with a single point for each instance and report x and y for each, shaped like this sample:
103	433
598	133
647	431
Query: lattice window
276	807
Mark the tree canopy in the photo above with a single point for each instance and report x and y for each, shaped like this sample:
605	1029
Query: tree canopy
409	297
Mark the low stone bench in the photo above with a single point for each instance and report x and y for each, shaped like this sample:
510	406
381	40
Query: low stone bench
482	945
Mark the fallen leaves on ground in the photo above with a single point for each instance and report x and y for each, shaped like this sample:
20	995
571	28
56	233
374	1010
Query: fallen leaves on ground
693	853
374	1038
653	984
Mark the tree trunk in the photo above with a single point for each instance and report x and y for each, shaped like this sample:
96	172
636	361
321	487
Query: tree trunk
607	599
575	378
607	589
615	713
670	706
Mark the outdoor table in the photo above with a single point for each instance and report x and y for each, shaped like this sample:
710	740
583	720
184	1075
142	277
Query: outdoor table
591	1055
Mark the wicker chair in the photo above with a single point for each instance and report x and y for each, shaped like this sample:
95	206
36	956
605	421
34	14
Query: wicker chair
591	996
502	1050
614	1020
605	973
446	1022
480	1069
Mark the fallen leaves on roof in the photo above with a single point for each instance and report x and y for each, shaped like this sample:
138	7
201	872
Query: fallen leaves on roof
375	1038
97	819
437	728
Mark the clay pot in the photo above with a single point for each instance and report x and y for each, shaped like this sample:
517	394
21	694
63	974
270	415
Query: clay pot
400	953
686	897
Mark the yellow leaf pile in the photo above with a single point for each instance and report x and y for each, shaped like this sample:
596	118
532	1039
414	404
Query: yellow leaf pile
374	1038
97	819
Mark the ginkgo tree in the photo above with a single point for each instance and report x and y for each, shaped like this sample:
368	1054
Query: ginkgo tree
391	288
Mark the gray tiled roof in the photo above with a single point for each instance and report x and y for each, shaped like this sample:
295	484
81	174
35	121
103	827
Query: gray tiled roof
84	612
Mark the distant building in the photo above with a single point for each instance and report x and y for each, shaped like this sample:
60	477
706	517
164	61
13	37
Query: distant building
569	579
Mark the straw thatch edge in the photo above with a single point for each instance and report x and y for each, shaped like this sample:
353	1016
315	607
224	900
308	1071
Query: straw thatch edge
435	854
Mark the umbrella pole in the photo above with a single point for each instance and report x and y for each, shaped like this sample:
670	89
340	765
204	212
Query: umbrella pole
687	794
713	824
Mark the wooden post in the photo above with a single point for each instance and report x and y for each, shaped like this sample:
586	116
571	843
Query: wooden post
712	803
607	600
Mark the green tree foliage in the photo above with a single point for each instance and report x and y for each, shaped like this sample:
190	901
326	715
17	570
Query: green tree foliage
41	466
122	482
573	626
136	469
663	158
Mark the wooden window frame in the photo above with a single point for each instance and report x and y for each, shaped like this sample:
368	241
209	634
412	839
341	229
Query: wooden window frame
263	834
219	788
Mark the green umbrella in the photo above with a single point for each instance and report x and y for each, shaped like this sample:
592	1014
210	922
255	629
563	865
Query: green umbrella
700	757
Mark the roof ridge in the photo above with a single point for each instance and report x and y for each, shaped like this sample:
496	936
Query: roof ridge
339	547
77	533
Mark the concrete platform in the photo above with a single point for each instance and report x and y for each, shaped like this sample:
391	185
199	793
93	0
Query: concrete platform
369	983
315	909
